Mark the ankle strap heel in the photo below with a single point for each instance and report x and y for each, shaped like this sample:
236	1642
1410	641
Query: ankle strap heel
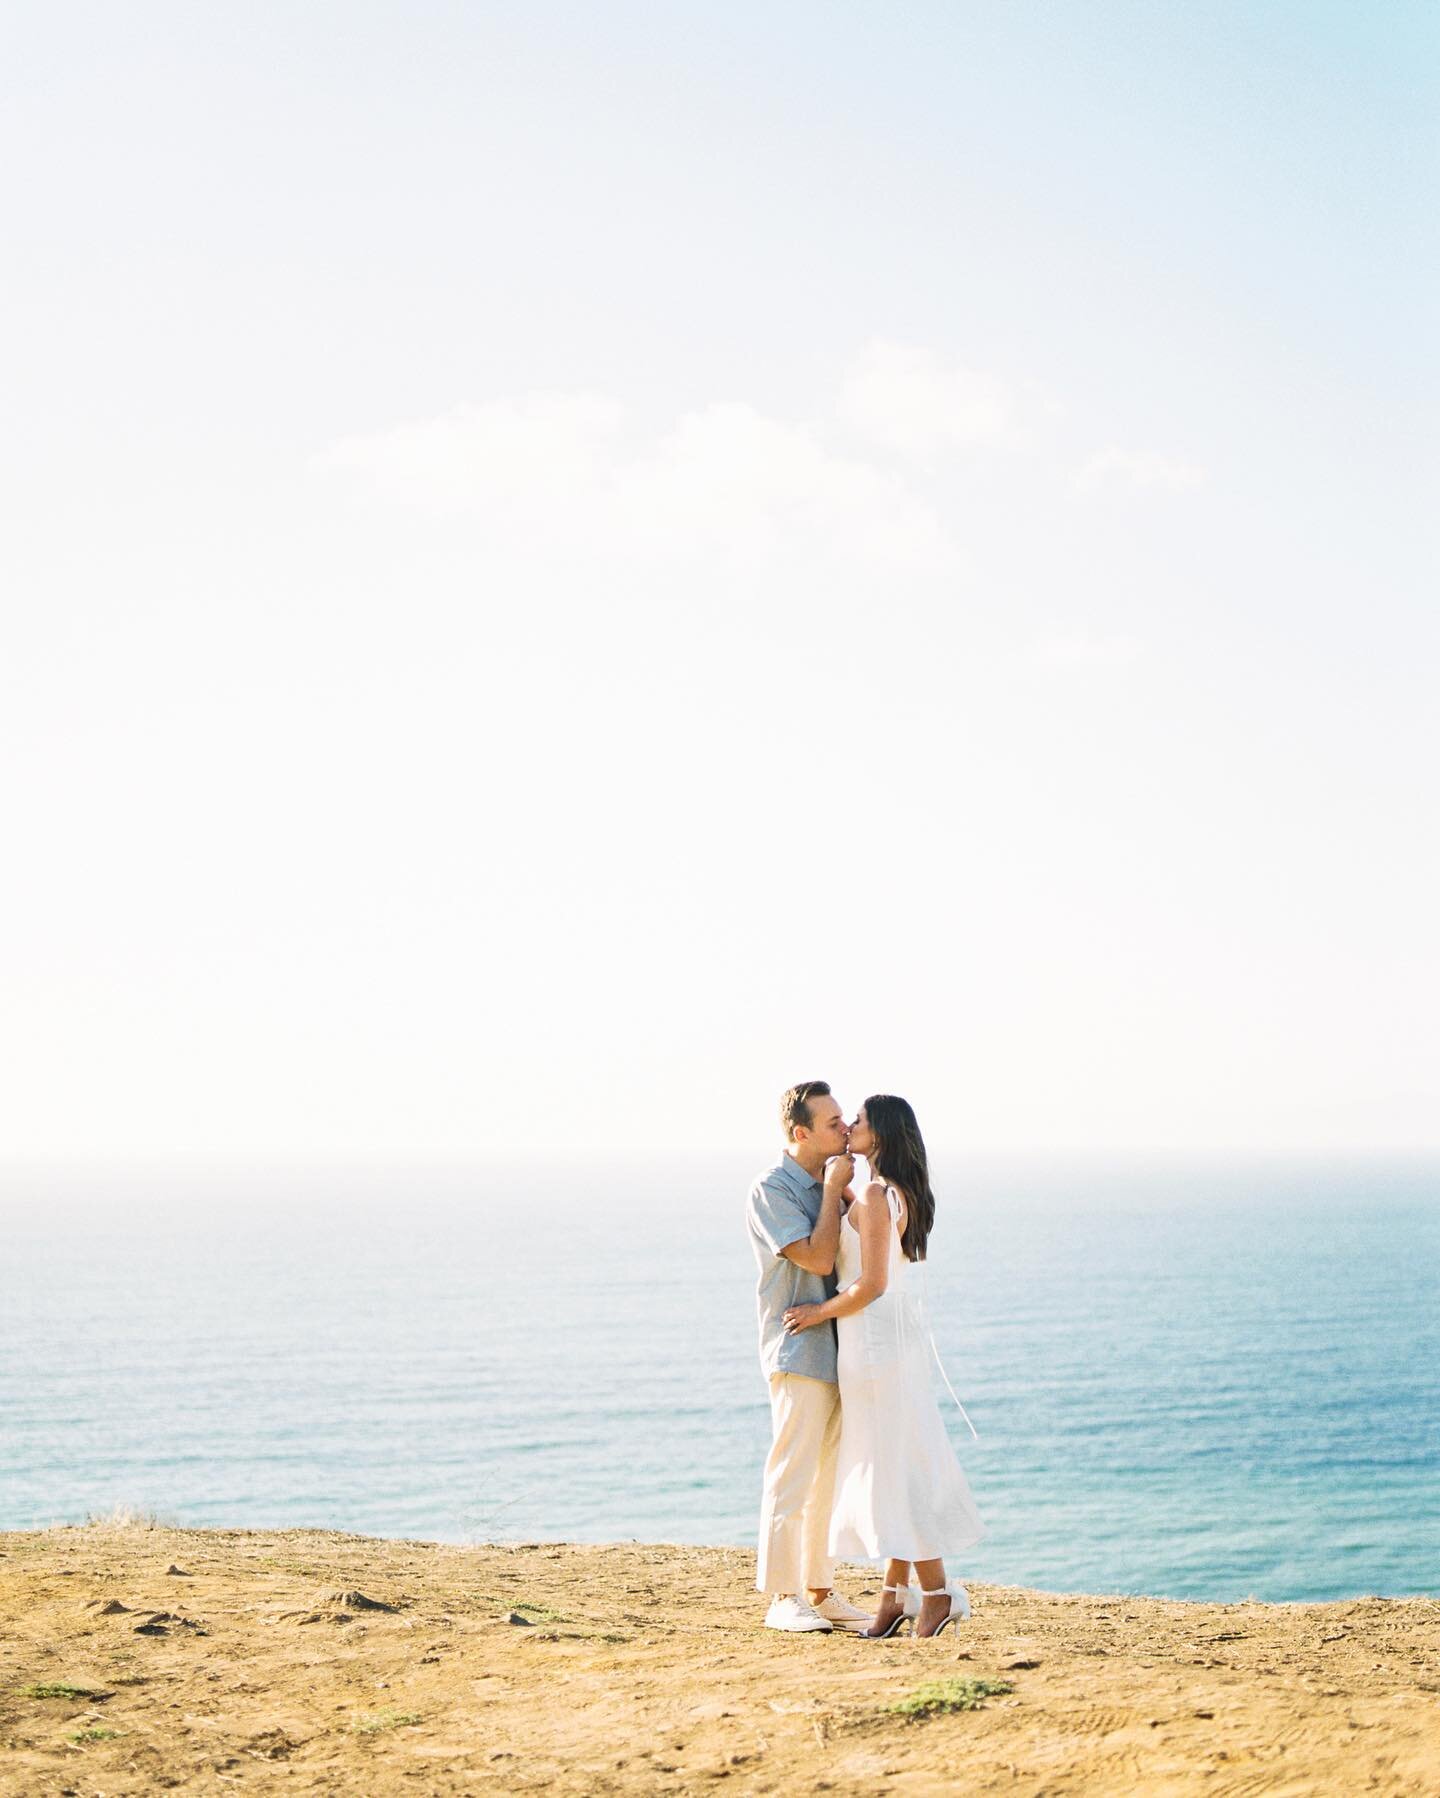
959	1610
905	1616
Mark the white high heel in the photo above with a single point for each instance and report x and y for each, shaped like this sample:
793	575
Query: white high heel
959	1610
907	1615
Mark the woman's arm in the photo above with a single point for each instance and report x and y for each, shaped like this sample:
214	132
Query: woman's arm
871	1214
816	1252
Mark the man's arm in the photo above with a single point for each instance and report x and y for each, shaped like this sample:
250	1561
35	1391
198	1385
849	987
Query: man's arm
816	1252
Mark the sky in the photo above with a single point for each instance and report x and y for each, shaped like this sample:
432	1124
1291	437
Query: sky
564	567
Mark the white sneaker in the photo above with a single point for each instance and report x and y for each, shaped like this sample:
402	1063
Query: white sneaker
795	1614
842	1613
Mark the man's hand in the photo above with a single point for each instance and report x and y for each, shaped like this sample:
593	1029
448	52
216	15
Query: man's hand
800	1317
839	1171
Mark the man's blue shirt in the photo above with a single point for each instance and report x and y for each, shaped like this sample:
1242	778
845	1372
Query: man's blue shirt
784	1207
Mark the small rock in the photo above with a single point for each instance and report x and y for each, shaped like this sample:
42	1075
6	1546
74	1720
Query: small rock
158	1623
179	1572
1021	1666
515	1617
357	1601
106	1607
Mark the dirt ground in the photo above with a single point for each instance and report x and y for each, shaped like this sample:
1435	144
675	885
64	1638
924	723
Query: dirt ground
136	1660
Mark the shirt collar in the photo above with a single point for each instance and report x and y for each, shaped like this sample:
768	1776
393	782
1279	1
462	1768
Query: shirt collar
796	1173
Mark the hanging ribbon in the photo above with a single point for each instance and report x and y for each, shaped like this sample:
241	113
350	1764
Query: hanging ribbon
894	1201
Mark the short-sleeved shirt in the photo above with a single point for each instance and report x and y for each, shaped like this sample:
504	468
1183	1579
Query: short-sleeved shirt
784	1207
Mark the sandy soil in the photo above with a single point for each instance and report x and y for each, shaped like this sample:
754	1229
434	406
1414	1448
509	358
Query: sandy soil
306	1661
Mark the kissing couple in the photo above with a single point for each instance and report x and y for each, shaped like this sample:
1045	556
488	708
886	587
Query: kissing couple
860	1465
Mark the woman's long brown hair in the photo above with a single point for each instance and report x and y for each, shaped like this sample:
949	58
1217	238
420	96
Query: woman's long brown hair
899	1160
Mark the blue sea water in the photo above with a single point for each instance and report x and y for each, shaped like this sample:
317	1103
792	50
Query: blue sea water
1207	1382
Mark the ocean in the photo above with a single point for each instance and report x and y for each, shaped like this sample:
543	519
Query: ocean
1197	1381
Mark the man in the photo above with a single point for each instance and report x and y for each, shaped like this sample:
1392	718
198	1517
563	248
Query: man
794	1221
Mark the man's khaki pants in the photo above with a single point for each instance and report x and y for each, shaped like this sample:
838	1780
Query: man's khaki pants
799	1485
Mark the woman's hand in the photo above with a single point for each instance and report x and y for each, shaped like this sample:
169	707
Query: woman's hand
800	1317
839	1172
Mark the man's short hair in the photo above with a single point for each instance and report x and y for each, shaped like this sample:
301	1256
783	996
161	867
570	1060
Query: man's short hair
795	1105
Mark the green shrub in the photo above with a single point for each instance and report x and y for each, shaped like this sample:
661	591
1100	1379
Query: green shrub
949	1695
373	1722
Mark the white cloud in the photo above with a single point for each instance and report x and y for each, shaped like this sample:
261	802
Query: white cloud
485	458
912	403
724	481
731	478
1131	469
1080	649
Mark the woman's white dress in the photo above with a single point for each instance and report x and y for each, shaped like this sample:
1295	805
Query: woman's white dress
900	1493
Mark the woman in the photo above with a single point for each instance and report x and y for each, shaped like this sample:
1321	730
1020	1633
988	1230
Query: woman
899	1492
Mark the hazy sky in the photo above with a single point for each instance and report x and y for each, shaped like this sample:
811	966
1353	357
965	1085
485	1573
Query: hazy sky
567	565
